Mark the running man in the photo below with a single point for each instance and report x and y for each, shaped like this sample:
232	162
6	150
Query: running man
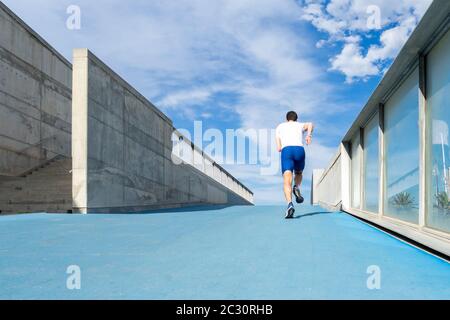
289	136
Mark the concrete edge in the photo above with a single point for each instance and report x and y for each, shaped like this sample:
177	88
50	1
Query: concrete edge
330	166
146	208
331	207
423	237
86	53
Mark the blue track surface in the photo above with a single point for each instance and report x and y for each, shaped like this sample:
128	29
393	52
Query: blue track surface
232	253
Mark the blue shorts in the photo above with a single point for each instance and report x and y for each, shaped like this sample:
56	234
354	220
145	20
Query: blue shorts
292	159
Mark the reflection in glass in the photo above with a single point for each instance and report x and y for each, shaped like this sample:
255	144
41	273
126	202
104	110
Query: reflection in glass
402	151
371	166
438	170
356	172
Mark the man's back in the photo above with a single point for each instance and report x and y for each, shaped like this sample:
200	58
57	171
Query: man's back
290	133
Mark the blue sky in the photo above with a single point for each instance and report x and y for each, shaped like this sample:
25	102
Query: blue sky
241	63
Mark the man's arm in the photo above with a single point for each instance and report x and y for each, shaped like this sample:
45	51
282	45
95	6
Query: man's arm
278	140
309	127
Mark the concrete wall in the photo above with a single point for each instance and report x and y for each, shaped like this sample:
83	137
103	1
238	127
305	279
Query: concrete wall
328	189
122	150
316	175
331	186
35	98
186	154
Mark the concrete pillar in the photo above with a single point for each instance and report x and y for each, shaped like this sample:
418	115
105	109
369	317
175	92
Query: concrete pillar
345	174
80	127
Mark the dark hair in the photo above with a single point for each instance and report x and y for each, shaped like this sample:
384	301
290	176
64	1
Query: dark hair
291	116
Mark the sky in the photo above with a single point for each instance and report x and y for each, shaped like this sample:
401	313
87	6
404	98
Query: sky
241	64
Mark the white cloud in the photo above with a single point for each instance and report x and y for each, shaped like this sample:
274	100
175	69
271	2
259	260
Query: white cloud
392	40
314	13
346	22
353	64
185	97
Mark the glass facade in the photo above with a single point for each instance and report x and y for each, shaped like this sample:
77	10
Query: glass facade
438	153
399	163
371	165
356	171
402	151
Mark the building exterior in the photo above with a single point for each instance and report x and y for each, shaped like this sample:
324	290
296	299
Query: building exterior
392	167
95	146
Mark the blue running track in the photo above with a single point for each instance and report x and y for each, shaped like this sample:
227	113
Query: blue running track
232	253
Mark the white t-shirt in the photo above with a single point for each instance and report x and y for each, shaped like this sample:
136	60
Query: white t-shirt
290	133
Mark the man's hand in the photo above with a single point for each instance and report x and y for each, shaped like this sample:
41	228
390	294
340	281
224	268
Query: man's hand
308	127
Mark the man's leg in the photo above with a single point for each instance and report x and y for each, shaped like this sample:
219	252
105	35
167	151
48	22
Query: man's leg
287	166
287	177
298	182
299	165
298	178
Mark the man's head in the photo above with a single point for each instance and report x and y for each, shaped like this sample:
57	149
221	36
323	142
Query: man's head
291	116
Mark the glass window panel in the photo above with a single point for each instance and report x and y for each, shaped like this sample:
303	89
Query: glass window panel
371	166
438	169
356	172
402	151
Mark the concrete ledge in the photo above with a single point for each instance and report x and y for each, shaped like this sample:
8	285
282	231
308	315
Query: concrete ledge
421	235
85	53
331	207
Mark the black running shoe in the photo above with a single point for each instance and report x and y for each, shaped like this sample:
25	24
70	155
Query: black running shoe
298	196
289	211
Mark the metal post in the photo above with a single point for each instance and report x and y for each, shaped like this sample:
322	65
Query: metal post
381	197
361	168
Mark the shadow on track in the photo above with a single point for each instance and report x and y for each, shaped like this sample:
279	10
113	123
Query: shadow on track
311	214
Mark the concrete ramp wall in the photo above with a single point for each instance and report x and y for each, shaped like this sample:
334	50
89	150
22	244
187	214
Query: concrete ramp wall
316	175
122	150
328	188
35	98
